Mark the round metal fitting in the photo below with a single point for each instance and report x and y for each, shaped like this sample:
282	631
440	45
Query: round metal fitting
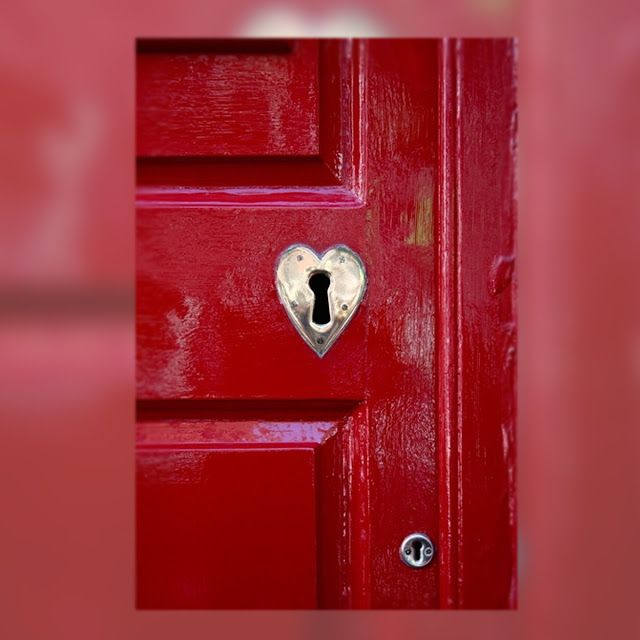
417	550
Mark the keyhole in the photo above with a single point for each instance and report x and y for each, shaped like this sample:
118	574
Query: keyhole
417	550
319	283
416	547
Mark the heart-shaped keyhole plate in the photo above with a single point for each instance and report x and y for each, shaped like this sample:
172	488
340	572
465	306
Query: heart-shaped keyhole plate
347	281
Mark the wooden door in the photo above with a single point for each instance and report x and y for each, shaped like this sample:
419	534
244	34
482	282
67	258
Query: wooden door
268	477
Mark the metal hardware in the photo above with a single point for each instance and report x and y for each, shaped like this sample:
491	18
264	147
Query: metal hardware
417	550
320	293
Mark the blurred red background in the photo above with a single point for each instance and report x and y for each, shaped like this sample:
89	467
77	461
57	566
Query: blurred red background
66	313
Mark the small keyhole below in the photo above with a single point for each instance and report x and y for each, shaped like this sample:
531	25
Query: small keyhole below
319	283
416	547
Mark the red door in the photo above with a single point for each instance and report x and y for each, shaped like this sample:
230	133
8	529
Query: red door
270	477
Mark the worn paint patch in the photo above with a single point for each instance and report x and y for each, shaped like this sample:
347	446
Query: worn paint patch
422	230
182	327
370	227
418	217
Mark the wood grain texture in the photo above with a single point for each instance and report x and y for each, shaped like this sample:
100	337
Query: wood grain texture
475	227
486	314
401	143
335	165
228	103
448	328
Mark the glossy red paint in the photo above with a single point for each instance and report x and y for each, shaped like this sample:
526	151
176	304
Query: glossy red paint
232	101
407	423
220	518
476	335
